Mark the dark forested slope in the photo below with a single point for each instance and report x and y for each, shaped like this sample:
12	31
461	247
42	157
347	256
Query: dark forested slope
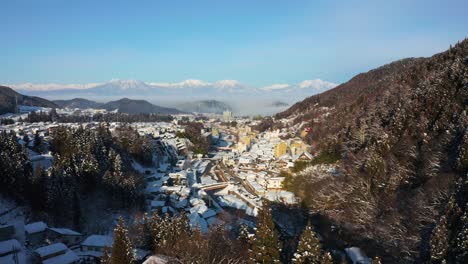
8	99
131	106
401	131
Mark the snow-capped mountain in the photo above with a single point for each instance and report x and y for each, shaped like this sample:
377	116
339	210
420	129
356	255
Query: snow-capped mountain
237	94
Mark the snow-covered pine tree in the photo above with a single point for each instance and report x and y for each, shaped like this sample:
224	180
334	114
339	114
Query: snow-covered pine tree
105	259
327	258
144	233
376	260
309	249
122	249
244	233
26	138
265	244
37	141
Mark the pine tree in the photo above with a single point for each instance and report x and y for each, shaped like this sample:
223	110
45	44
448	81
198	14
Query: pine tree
327	258
265	244
439	241
309	249
144	232
376	260
122	249
244	233
26	138
158	227
105	259
37	139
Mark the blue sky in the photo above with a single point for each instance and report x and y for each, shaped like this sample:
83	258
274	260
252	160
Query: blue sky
255	42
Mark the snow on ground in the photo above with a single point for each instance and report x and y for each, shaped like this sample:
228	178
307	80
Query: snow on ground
23	258
12	214
157	259
357	256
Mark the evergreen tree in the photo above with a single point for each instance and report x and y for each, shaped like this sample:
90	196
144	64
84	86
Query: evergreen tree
122	249
37	190
328	259
15	167
26	138
244	233
265	244
105	259
309	249
61	188
376	260
37	139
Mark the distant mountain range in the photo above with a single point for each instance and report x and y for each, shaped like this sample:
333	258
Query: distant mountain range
193	88
9	99
78	103
124	105
128	105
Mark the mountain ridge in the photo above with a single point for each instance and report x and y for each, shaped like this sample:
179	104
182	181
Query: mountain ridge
132	106
400	132
80	103
8	98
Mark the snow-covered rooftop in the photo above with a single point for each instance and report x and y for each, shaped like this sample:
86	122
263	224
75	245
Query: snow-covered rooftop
67	258
35	227
9	246
65	231
98	241
50	249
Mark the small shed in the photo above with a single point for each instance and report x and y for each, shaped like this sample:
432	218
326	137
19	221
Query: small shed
9	246
35	233
96	244
64	235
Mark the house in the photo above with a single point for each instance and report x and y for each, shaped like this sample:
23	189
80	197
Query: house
50	251
69	257
281	149
245	160
284	162
178	178
64	235
274	183
303	156
7	232
95	245
56	253
8	247
255	187
35	233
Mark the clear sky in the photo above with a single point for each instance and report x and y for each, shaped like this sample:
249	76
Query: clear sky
256	42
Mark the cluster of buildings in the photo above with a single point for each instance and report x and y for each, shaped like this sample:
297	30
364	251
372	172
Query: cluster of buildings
242	168
260	158
38	243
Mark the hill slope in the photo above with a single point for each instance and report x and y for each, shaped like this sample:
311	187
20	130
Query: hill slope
9	96
130	106
401	132
78	103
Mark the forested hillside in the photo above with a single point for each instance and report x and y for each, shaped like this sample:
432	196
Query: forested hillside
401	133
9	98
